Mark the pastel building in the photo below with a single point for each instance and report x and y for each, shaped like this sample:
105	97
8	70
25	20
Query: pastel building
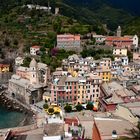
68	42
93	88
105	63
136	56
119	51
82	91
124	60
34	50
126	41
4	68
99	38
18	61
104	74
64	89
75	89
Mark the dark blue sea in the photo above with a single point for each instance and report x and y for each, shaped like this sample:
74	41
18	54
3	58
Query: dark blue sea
10	118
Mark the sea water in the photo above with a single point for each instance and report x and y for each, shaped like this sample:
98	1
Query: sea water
9	118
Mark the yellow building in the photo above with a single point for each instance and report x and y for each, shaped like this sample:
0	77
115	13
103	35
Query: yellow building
82	91
4	68
105	74
120	51
72	72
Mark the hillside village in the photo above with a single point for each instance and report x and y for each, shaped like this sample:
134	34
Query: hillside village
86	87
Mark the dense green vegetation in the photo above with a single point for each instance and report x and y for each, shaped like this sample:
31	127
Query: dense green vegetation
89	106
68	108
45	106
79	107
20	27
133	27
54	57
97	53
93	12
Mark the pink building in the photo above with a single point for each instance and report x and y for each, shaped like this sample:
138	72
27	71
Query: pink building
23	72
64	90
68	42
136	56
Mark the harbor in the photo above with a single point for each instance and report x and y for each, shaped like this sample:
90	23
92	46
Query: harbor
11	109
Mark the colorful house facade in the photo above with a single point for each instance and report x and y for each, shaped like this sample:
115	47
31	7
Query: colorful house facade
4	68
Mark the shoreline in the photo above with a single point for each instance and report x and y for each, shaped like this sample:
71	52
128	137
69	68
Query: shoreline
14	106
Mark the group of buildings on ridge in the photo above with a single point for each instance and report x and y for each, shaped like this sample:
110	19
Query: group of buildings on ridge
75	43
112	86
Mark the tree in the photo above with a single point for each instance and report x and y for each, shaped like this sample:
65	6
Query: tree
68	108
89	106
45	106
7	42
79	107
51	110
130	55
26	62
15	42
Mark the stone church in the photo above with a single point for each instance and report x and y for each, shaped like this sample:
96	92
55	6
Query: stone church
28	84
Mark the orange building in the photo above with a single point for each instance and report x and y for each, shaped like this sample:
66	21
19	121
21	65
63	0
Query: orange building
4	68
126	42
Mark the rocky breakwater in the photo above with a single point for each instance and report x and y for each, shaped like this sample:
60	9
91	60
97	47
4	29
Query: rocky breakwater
9	103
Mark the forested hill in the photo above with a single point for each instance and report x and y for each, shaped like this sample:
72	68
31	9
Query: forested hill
110	12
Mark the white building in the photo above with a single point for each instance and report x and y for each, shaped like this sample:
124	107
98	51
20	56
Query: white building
34	50
38	7
19	61
99	38
124	60
135	41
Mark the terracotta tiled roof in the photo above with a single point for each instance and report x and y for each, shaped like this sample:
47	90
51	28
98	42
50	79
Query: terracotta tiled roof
4	65
115	38
71	120
36	47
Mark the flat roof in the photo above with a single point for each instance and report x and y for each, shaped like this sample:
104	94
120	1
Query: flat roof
112	86
107	125
134	107
62	80
72	79
54	129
